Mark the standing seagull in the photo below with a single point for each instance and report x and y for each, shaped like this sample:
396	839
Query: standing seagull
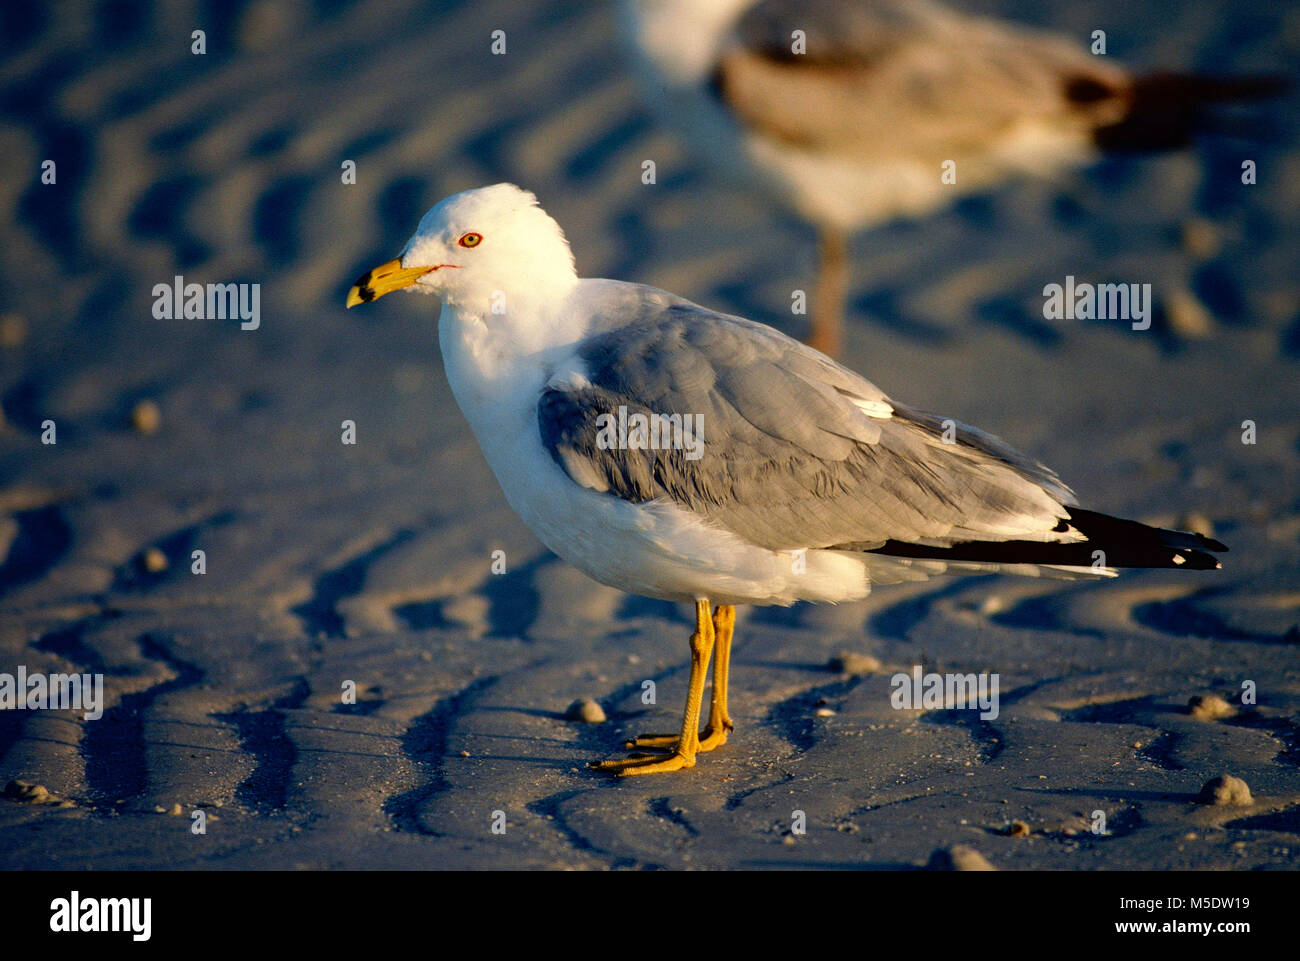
855	112
746	468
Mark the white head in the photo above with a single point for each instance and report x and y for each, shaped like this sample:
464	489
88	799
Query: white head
474	249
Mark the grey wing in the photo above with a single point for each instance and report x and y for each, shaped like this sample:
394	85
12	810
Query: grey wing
906	76
837	32
795	451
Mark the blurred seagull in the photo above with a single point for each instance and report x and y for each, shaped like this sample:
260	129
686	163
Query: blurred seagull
855	112
795	480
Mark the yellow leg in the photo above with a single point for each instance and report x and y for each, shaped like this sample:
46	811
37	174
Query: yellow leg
688	741
715	732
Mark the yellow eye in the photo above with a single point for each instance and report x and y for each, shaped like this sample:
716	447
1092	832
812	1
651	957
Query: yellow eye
470	239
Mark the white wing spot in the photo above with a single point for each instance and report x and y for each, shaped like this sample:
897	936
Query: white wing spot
874	408
571	375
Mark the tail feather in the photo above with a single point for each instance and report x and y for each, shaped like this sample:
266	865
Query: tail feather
1121	543
1166	110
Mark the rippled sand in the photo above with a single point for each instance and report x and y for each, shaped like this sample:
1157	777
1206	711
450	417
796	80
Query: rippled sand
371	563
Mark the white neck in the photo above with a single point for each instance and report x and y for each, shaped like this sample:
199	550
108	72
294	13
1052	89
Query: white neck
681	38
490	356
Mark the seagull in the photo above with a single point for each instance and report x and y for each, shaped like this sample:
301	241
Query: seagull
857	112
678	453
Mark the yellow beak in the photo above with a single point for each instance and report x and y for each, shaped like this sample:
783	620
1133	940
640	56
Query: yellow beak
384	279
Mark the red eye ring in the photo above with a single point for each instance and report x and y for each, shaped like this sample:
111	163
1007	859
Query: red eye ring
470	239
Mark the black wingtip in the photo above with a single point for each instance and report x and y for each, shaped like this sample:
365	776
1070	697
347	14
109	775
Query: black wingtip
1133	544
1110	542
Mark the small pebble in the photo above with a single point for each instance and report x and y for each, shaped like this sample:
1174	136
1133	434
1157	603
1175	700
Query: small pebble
1226	790
153	561
25	792
1209	707
959	857
176	810
847	662
146	417
1188	317
585	710
464	753
824	712
1017	829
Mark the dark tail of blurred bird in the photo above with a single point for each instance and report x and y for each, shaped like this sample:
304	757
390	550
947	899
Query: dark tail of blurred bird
1166	111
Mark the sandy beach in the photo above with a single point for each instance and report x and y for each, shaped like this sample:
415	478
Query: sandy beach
331	567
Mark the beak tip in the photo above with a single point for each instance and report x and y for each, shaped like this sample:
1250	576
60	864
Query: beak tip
384	279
